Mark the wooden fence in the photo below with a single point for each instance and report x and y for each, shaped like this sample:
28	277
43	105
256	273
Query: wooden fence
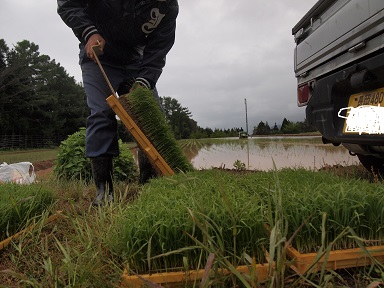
29	142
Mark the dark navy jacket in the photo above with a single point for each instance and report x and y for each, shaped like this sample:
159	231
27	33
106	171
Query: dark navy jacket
137	32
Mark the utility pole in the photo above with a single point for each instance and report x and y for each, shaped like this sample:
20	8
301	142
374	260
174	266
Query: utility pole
246	115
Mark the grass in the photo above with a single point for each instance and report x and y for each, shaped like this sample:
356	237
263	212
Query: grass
33	155
19	204
36	155
90	247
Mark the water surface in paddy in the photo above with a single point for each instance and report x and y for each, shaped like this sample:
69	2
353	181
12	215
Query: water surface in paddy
259	153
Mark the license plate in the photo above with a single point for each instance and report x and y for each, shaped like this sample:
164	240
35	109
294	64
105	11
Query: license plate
365	113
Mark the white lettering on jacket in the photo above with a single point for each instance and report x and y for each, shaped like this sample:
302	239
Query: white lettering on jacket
152	24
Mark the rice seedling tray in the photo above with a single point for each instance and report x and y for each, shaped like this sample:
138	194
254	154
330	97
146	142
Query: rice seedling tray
50	219
175	279
336	259
153	155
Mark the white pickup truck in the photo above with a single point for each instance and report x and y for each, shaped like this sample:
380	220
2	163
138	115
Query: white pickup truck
339	66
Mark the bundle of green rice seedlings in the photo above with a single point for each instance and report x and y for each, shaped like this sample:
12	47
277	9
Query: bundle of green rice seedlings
143	108
329	205
177	221
19	204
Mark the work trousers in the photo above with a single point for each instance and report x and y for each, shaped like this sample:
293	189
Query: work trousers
101	132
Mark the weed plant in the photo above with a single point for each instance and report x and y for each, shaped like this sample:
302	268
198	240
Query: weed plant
72	164
71	251
19	204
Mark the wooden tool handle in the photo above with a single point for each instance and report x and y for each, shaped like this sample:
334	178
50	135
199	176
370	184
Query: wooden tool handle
97	51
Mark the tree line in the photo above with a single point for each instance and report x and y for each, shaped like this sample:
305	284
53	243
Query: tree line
37	96
38	99
287	127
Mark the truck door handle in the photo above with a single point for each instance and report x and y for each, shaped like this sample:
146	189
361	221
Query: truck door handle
357	47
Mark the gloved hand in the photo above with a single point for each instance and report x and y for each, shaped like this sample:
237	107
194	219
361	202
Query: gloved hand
125	86
128	86
95	39
136	85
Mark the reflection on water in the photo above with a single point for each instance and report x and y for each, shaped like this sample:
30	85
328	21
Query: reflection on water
260	153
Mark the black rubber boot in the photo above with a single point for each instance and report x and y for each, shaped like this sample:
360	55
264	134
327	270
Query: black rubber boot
146	170
102	170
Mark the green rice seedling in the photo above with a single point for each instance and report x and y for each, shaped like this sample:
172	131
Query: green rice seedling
278	226
305	196
287	194
346	202
160	222
192	144
298	201
145	111
177	222
19	204
214	245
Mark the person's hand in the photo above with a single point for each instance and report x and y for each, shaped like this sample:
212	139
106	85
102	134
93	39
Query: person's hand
95	39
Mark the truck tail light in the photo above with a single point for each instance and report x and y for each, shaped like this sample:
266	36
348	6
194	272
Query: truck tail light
303	94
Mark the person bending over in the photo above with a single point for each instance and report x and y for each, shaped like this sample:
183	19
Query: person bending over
134	38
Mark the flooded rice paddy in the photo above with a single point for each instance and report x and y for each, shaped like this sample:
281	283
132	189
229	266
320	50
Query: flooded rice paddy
260	153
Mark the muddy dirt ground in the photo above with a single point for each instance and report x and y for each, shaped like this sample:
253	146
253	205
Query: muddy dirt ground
43	168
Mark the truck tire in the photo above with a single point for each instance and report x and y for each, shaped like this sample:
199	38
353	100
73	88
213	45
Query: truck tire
373	164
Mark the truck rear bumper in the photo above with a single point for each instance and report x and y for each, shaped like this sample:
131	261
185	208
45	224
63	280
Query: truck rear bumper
331	94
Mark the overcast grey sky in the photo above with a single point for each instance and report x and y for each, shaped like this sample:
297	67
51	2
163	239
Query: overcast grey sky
225	51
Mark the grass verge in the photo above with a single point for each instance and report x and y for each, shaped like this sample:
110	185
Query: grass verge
33	155
19	204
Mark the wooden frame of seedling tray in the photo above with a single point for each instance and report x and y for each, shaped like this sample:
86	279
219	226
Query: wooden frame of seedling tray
172	279
142	141
337	259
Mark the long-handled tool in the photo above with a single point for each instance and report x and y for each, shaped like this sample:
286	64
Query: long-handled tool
142	141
